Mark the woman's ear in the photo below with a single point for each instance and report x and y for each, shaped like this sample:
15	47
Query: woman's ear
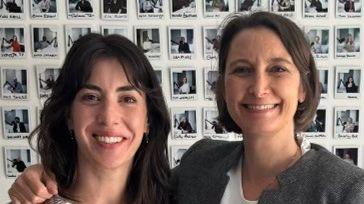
301	94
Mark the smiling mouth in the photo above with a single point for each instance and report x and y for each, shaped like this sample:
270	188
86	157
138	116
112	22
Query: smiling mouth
108	139
261	107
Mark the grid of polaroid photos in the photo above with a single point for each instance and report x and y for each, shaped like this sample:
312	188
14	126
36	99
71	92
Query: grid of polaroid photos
181	39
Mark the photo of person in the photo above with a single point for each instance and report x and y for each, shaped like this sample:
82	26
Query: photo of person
16	120
211	125
347	41
45	42
312	7
177	152
74	32
347	121
11	9
347	153
211	42
181	43
17	159
216	6
46	78
184	123
183	83
348	8
111	29
211	76
183	9
282	5
80	9
319	41
14	83
251	5
148	39
150	6
115	6
323	77
347	82
44	9
12	42
318	123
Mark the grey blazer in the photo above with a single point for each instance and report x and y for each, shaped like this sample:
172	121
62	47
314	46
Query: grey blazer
317	177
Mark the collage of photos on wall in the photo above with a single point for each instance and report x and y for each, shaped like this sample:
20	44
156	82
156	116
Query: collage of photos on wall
181	38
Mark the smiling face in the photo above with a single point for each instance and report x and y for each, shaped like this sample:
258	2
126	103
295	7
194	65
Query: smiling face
262	84
109	117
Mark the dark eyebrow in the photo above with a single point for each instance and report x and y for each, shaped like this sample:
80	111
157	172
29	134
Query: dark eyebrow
239	61
280	59
119	89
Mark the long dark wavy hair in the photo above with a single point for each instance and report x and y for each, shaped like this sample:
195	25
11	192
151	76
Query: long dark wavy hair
148	179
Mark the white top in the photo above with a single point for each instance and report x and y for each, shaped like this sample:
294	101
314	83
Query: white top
184	89
234	192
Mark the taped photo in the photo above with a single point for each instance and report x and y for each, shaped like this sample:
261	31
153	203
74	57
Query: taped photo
114	10
177	152
251	5
17	159
216	8
45	41
319	38
184	122
12	9
12	42
14	82
46	77
347	82
113	29
210	75
185	9
75	32
211	42
44	9
317	127
148	40
315	8
16	122
212	128
349	153
324	82
348	8
150	9
347	42
347	122
181	43
183	84
80	9
285	8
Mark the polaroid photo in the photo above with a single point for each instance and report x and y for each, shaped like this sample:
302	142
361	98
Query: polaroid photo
216	9
16	122
211	75
177	152
45	41
349	153
181	43
12	9
75	32
46	77
285	8
347	123
14	82
185	123
44	9
347	42
317	127
114	10
212	128
183	9
17	158
114	29
147	39
251	5
12	42
80	9
183	84
348	8
211	35
324	81
315	8
150	9
319	38
347	81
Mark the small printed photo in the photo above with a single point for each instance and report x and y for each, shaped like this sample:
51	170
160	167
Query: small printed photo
348	8
211	76
347	123
111	29
183	82
47	75
11	9
212	128
150	6
347	82
75	32
216	8
211	42
183	9
184	123
347	42
318	124
323	77
45	42
80	9
114	10
16	122
282	6
319	41
181	44
43	9
148	39
347	153
14	83
17	159
12	42
177	152
251	5
315	8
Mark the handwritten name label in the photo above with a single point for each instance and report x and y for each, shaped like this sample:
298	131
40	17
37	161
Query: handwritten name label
347	136
151	15
115	16
81	15
184	15
17	137
181	56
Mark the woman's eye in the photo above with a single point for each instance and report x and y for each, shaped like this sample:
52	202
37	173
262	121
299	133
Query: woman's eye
278	69
128	99
90	97
242	70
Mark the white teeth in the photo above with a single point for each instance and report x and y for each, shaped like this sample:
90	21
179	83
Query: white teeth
260	107
108	140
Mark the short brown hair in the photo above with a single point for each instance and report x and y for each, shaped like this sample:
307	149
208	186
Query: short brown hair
294	41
